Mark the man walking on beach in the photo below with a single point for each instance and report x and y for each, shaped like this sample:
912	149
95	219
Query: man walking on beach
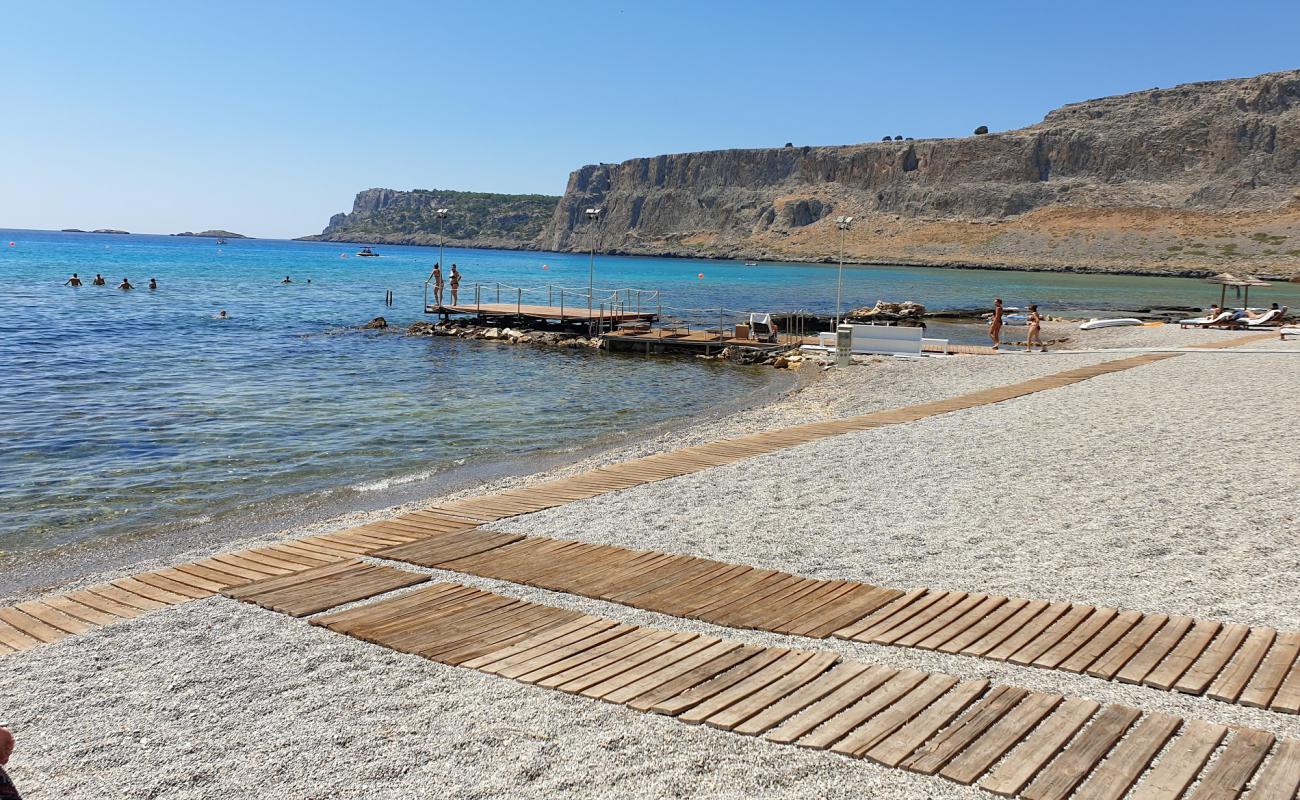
7	789
995	327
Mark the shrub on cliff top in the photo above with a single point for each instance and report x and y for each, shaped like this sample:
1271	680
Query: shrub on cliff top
981	130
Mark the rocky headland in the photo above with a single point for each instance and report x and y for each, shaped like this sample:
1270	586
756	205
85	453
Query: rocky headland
1190	180
480	219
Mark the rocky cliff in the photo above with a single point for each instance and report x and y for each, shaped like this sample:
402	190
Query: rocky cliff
477	219
1192	179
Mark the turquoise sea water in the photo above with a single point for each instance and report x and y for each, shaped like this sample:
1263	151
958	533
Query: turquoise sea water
130	412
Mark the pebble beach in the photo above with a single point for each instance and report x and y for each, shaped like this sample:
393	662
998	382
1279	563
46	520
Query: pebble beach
1165	488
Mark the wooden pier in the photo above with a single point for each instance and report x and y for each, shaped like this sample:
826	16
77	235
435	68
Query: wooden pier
603	317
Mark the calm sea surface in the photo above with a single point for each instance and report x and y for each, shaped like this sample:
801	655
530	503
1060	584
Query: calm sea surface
130	412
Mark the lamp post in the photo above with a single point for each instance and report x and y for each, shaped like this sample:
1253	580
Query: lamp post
843	223
442	216
593	215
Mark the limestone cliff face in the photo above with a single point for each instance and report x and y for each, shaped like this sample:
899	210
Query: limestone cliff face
480	219
1135	182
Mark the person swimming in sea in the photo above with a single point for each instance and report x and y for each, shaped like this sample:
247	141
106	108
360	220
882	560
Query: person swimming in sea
125	285
221	315
73	281
995	326
153	283
286	280
99	280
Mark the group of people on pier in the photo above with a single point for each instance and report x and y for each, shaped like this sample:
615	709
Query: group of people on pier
438	284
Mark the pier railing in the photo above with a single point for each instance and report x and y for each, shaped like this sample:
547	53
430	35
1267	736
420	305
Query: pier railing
600	303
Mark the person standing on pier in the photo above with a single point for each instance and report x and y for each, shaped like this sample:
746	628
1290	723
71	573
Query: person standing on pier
437	284
455	284
995	325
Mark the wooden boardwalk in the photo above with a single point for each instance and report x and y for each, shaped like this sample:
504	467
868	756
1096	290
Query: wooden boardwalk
1228	662
1005	739
543	313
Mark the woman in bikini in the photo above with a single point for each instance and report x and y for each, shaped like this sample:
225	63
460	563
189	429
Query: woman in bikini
1035	324
437	284
455	284
995	327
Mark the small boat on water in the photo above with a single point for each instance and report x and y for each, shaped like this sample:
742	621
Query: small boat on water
1094	324
751	263
366	252
220	240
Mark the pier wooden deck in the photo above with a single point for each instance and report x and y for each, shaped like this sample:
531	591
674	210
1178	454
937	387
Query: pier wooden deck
542	313
1008	740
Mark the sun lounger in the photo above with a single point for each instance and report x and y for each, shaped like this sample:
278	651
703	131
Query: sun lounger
1290	330
1223	318
1272	317
761	327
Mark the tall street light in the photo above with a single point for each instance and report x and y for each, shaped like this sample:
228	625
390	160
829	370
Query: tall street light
843	223
442	216
593	215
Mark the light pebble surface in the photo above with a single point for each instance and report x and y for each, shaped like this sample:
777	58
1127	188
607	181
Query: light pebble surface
1081	493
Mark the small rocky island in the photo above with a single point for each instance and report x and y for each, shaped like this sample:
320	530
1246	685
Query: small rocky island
214	234
97	230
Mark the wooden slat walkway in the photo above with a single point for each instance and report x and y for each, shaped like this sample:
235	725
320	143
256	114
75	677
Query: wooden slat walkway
1006	739
321	588
1233	663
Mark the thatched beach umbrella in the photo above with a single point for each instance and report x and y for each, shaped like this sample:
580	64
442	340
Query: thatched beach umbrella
1224	279
1249	281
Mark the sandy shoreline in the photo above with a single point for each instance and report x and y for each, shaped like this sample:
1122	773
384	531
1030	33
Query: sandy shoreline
1080	493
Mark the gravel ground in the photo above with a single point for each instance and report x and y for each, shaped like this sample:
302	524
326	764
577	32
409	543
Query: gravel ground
1081	493
1152	488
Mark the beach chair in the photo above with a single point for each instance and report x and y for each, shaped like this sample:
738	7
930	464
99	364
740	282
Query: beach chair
1223	318
762	328
1290	330
1272	317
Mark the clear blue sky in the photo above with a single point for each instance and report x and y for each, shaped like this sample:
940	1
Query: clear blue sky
265	118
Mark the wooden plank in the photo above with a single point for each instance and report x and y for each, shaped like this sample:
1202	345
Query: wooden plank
884	612
1105	639
651	673
124	597
1181	762
1280	778
1155	650
698	694
1197	679
1287	699
1272	671
1042	746
869	734
1006	733
760	700
1059	779
801	724
31	626
974	610
1130	758
81	611
695	675
985	626
798	700
1228	775
1054	656
839	726
1026	633
53	617
901	744
1234	677
105	605
15	639
932	756
1180	659
723	701
164	584
1114	659
1075	616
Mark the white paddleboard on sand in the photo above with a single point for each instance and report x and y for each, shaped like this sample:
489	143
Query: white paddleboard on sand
1093	324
